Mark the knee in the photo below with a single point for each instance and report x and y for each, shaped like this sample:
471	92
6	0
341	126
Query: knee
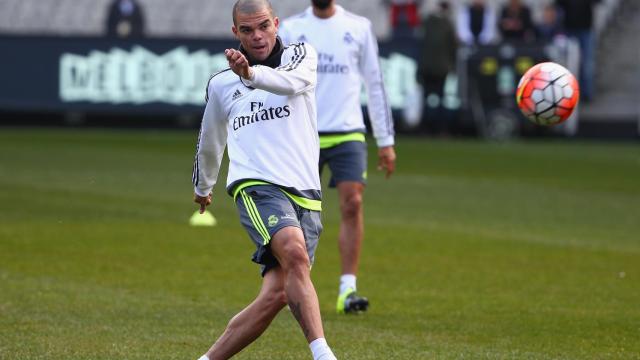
351	207
295	257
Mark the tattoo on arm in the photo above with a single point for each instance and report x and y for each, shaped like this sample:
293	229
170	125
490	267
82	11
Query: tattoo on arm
295	309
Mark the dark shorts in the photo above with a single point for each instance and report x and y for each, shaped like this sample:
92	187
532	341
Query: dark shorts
347	162
264	210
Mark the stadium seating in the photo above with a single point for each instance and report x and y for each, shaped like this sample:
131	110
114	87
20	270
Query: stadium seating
186	18
164	18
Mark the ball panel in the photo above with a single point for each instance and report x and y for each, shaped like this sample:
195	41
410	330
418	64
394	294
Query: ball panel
563	113
567	92
563	80
544	106
528	106
549	94
537	95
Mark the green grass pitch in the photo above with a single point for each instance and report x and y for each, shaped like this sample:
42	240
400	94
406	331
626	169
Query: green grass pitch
524	250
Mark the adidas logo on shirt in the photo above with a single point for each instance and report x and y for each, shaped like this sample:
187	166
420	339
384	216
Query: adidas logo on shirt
236	95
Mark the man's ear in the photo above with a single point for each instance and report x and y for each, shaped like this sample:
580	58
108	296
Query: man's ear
234	30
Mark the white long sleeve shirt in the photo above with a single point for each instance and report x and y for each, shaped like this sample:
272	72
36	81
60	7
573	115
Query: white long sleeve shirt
347	56
268	124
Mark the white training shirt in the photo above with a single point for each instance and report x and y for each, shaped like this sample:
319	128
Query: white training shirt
347	55
268	124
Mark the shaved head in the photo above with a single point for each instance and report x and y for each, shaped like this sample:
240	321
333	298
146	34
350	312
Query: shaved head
250	7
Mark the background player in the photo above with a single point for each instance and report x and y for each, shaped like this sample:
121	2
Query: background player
347	55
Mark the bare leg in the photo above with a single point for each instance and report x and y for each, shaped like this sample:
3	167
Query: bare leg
288	246
253	320
351	225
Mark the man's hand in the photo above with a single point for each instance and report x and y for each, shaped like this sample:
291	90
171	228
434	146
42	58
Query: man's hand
204	201
239	63
387	160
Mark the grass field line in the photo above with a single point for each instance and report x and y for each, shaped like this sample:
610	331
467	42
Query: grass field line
512	236
75	310
108	295
95	192
116	199
506	184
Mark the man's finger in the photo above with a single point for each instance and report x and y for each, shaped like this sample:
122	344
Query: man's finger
389	171
202	208
385	163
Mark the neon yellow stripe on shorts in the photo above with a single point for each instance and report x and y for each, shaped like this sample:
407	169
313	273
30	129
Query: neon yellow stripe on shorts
252	210
246	184
310	204
327	141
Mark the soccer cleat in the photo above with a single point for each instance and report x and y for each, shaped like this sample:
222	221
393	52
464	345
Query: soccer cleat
350	303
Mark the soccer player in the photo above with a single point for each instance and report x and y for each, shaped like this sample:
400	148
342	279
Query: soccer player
347	54
263	109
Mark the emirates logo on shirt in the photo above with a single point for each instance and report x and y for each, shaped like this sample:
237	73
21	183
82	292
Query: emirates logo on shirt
260	113
328	64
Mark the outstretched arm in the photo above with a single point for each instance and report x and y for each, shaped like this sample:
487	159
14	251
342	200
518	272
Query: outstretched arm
295	76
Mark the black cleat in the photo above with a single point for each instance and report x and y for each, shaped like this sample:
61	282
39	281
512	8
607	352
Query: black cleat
350	303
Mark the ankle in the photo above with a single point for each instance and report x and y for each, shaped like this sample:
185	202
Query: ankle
320	350
347	281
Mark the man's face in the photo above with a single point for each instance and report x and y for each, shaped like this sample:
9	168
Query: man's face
257	33
321	4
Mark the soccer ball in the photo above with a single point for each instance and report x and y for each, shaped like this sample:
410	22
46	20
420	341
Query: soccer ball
547	94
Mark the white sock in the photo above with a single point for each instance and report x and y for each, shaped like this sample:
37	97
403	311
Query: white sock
321	350
204	357
347	281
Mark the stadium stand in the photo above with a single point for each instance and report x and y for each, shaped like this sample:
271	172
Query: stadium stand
618	74
165	18
190	18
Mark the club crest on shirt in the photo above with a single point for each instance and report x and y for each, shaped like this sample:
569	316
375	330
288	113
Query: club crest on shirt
347	38
302	38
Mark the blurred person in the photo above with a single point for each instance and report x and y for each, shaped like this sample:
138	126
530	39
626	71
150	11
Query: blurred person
578	24
515	22
263	108
125	19
347	55
404	16
550	26
438	50
476	23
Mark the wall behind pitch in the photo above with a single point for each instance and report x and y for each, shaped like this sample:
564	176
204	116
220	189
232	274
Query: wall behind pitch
147	76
